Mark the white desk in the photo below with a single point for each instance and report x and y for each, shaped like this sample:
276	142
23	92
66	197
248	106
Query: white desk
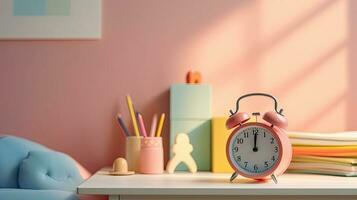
217	186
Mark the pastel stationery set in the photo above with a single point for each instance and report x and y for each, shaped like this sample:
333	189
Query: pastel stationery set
143	151
190	113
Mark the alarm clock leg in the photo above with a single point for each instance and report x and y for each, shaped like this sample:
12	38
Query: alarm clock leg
273	177
234	176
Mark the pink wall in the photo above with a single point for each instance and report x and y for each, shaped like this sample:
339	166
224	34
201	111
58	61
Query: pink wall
65	94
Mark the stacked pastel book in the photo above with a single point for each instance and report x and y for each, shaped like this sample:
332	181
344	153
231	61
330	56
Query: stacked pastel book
324	153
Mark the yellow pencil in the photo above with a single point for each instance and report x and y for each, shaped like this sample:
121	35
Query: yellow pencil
161	124
132	114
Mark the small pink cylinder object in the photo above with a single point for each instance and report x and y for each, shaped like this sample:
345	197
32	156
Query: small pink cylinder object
151	156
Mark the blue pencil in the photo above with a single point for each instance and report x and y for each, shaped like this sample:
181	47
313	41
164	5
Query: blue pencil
122	125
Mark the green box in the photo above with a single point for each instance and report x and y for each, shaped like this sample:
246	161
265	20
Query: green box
199	132
190	101
58	7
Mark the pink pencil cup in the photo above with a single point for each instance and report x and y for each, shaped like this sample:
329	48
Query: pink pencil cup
151	156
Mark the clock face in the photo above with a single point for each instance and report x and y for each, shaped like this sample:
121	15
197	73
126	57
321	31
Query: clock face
254	150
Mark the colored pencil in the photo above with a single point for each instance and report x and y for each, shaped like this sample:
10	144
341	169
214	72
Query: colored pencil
141	124
132	114
153	125
122	125
161	124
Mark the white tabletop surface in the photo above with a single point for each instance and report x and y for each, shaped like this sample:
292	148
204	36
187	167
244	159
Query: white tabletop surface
207	183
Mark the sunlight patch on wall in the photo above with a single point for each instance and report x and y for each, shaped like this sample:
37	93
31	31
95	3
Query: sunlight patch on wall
296	50
315	91
279	17
304	45
307	69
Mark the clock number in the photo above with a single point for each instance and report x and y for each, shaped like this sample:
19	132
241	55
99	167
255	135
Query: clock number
245	134
255	131
245	164
235	149
271	140
266	164
255	167
239	158
264	134
240	140
273	158
276	149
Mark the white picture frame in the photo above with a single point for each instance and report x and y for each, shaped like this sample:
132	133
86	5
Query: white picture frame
82	23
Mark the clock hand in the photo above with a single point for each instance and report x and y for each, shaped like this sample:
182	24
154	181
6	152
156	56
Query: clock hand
255	148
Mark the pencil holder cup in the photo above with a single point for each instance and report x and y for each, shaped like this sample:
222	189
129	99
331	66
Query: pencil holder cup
151	156
132	152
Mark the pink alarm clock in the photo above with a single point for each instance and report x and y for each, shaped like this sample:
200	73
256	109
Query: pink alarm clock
258	150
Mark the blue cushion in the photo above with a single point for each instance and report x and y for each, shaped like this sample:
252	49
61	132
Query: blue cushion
23	194
12	151
49	170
